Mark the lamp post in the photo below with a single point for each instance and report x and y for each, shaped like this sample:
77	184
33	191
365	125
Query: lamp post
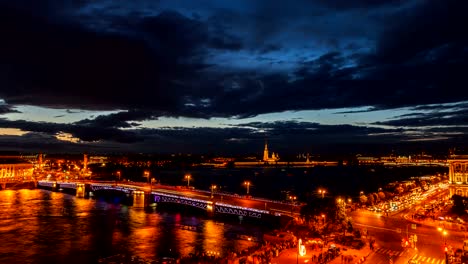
322	192
118	175
187	177
444	234
147	175
151	184
247	184
213	187
293	199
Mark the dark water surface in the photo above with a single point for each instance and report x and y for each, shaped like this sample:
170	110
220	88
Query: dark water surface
39	226
271	182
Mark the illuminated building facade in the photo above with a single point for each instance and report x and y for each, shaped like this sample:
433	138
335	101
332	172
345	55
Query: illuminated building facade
13	169
458	175
266	158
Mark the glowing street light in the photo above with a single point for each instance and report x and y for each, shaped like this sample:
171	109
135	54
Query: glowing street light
247	184
153	180
322	192
188	177
147	175
293	200
444	233
213	187
118	175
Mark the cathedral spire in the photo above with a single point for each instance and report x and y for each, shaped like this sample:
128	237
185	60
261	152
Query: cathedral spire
265	152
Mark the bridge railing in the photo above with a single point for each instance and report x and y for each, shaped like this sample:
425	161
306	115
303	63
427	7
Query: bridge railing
246	197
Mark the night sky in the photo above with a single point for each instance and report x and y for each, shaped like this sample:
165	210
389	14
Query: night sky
222	76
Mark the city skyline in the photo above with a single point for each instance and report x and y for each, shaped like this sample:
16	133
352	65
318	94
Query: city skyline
223	76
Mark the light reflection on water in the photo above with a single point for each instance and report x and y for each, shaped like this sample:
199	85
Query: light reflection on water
38	226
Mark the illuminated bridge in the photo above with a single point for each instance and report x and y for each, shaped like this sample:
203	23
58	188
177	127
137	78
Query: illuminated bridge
142	195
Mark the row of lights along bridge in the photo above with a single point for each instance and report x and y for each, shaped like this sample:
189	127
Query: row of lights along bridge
187	177
247	185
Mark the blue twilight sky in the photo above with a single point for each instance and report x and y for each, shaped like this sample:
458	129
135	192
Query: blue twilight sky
314	76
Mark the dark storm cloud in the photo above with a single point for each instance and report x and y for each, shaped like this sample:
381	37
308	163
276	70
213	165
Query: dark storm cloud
67	65
37	142
285	137
165	62
83	132
442	118
119	120
315	129
6	109
462	105
159	62
351	4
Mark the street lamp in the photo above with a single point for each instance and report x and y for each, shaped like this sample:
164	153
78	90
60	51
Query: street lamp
118	175
147	175
151	184
293	199
444	233
187	177
322	192
247	184
213	187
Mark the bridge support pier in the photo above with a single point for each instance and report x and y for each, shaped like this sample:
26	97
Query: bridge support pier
139	199
210	208
80	190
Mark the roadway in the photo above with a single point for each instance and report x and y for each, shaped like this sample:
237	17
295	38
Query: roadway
388	232
231	199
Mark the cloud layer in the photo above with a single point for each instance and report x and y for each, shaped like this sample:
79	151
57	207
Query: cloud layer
235	60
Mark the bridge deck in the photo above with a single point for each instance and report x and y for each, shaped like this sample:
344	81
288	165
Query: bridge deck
274	207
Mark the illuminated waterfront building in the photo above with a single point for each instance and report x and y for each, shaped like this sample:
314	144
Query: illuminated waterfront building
14	169
266	158
458	175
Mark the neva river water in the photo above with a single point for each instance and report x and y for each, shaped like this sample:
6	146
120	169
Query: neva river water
271	182
39	226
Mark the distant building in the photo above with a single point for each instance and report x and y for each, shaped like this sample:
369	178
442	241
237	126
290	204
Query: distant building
266	158
458	175
367	160
97	160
